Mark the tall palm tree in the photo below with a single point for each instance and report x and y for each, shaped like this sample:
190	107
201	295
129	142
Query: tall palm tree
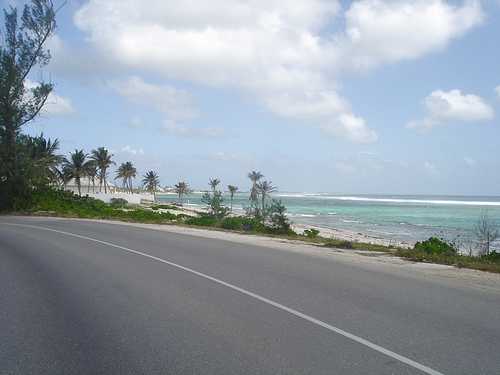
232	190
213	182
91	173
265	188
104	161
181	188
151	181
255	177
45	160
75	167
126	171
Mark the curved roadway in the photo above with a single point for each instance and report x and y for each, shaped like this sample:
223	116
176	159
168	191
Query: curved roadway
80	297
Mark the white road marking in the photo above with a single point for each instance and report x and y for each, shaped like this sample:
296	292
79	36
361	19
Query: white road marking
297	313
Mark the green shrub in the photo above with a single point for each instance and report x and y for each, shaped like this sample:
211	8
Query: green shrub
435	245
202	220
243	223
492	257
311	233
278	221
66	203
118	202
346	245
215	204
232	223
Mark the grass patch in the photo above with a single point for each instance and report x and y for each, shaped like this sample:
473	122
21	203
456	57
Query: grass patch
490	263
67	204
435	250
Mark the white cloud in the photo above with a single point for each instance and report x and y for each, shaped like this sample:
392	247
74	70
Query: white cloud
379	31
187	131
352	128
55	105
282	52
174	103
133	151
452	106
58	105
497	89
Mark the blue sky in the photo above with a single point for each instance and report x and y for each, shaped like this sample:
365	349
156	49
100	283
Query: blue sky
368	96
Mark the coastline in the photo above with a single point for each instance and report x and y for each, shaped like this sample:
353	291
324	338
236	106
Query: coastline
337	233
353	236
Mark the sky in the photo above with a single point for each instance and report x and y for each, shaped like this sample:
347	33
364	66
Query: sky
366	96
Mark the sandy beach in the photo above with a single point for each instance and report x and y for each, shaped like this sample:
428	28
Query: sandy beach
342	234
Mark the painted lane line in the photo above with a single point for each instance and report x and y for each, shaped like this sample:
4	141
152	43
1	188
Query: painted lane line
351	336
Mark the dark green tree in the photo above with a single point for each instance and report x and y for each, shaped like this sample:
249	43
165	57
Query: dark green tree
126	171
75	167
22	49
104	160
232	190
265	188
181	188
151	181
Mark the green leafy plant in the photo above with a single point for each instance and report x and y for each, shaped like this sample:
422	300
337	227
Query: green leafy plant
435	245
215	204
278	221
118	202
311	233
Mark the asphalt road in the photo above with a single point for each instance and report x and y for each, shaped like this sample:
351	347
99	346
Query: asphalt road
93	298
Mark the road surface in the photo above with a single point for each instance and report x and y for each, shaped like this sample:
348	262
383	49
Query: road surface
80	297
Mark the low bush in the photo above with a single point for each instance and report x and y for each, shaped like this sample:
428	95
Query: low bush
346	245
202	220
490	263
435	245
311	233
68	204
278	221
118	202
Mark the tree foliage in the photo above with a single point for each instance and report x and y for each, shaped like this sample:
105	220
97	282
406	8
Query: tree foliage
22	48
181	188
151	182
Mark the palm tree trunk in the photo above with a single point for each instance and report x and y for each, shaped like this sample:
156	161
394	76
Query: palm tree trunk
105	183
77	180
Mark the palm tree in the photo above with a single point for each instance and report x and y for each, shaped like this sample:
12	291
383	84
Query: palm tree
265	188
75	167
232	190
103	160
181	188
213	182
151	181
91	173
43	153
255	177
126	171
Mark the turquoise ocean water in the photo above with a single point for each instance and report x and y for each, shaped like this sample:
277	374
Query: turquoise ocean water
403	218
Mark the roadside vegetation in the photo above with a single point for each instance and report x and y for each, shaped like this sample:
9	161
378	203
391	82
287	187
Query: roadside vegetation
435	250
33	176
